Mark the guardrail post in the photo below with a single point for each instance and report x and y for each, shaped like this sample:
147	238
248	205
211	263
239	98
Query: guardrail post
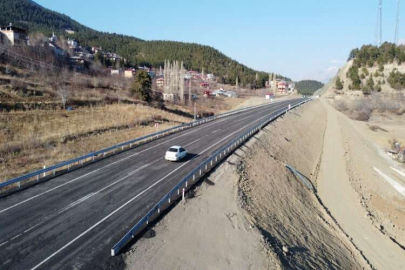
44	174
19	184
193	177
54	170
178	191
186	183
200	172
37	177
183	195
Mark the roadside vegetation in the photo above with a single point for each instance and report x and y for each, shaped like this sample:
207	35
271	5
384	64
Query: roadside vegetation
362	108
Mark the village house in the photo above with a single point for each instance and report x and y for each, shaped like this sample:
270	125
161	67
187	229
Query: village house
282	87
11	35
69	31
58	51
116	72
160	82
129	73
73	44
169	97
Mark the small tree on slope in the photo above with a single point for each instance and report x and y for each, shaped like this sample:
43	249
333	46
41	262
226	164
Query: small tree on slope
142	86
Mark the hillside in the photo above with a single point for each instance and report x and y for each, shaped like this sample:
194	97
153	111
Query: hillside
371	69
308	87
30	15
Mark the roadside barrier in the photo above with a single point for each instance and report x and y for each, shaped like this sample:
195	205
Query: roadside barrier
190	179
304	180
46	173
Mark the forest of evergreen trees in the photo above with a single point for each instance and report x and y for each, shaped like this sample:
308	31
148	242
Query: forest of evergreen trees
370	56
308	87
35	18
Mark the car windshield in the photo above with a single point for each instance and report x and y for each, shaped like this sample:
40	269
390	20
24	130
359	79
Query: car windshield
172	150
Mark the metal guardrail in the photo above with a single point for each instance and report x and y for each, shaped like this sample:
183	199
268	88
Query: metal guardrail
67	165
304	179
190	179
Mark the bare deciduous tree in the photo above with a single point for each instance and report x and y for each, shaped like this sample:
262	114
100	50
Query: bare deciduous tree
64	94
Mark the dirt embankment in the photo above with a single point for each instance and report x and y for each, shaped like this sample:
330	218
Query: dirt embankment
348	183
252	213
288	214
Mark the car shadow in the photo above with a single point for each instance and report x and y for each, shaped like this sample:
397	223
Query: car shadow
189	157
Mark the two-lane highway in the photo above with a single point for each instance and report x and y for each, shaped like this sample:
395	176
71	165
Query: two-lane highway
72	221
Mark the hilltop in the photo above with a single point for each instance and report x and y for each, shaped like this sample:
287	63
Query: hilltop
30	15
308	87
370	69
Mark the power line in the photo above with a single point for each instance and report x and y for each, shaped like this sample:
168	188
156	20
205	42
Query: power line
378	31
396	37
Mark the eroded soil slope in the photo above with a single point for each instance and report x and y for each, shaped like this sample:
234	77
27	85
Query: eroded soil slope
287	213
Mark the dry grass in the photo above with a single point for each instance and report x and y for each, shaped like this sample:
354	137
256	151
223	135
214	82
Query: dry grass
362	108
29	140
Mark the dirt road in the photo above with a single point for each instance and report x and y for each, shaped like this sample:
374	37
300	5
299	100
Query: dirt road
343	202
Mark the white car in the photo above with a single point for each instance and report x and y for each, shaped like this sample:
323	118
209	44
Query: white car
175	153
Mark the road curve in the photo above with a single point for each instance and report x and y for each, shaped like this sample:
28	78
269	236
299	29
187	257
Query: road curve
72	221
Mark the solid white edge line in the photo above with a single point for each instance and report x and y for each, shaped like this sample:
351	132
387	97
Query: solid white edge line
115	162
400	188
398	171
128	202
108	216
88	196
80	177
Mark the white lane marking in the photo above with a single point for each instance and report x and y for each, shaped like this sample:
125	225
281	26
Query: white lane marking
83	199
2	244
215	131
108	216
113	163
400	188
398	171
128	202
15	237
243	119
80	177
193	142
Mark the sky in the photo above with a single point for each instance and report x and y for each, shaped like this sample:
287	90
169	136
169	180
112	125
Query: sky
299	39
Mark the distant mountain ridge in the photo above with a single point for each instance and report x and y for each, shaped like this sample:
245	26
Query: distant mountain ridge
28	14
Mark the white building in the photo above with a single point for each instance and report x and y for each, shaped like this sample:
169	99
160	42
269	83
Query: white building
12	35
73	44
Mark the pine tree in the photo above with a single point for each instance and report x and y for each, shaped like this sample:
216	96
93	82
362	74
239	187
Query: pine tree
339	84
142	86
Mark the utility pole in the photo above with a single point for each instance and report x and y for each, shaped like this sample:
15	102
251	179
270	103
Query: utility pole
396	37
378	32
189	92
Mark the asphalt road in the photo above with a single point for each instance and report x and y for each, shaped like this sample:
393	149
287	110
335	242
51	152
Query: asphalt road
72	221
